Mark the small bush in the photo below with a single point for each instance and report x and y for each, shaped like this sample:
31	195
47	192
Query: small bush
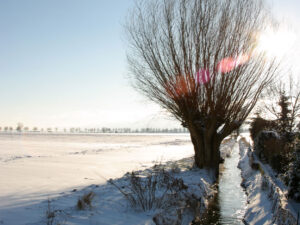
271	149
259	124
151	191
85	201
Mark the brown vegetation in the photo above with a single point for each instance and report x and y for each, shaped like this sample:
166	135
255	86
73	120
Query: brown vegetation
85	201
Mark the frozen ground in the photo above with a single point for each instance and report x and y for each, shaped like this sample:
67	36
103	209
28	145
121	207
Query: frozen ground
36	167
266	194
259	208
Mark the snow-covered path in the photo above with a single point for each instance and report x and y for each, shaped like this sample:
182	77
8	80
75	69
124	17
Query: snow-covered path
35	167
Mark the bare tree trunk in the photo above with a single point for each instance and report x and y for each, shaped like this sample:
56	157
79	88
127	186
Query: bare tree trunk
199	151
207	152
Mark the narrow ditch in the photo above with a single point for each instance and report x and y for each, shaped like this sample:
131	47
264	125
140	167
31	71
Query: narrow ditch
228	206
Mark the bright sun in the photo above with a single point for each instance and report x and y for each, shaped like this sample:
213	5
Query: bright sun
276	43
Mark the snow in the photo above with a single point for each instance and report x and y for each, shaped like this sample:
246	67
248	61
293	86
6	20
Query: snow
110	207
267	202
62	168
220	128
34	168
259	208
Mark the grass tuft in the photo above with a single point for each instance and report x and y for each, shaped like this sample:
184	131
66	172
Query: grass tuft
85	201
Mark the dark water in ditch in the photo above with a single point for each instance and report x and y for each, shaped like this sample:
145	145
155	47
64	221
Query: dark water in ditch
229	205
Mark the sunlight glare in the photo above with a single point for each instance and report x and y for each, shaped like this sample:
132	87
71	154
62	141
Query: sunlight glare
276	43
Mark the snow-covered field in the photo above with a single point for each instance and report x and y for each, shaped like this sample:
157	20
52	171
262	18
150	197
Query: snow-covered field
35	167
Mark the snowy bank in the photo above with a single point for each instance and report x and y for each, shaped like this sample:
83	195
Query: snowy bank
267	202
109	205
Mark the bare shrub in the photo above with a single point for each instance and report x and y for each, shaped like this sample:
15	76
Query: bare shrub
85	201
52	215
151	191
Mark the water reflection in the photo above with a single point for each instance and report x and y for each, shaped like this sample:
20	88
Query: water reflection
228	207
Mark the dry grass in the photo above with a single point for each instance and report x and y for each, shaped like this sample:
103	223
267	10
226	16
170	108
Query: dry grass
51	215
85	202
150	191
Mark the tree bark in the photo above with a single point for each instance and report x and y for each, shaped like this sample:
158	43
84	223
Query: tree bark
207	152
199	153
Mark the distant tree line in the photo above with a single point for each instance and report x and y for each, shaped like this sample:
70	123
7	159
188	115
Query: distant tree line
21	128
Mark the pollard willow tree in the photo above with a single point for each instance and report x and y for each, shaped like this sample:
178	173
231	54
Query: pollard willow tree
197	59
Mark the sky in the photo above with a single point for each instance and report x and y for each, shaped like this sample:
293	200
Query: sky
63	64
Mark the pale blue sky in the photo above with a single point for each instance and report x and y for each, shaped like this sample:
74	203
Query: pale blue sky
62	63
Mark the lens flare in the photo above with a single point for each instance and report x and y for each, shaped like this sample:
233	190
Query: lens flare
178	88
228	64
181	86
242	59
202	76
